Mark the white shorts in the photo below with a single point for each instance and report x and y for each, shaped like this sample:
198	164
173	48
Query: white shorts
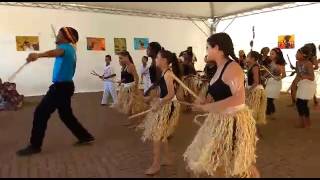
306	89
273	88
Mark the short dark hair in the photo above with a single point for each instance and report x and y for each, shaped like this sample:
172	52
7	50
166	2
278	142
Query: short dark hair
108	56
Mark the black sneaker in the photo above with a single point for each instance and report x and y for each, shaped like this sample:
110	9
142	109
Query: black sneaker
28	151
84	142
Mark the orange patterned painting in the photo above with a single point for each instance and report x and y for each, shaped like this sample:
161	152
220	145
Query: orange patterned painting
96	44
286	42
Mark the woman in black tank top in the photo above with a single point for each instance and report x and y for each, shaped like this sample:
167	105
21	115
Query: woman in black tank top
130	100
256	97
227	138
160	123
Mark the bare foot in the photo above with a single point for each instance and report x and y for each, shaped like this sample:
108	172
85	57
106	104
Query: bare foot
307	123
154	169
255	173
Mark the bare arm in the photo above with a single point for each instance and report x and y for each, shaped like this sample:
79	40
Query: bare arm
256	77
112	75
283	71
51	53
315	63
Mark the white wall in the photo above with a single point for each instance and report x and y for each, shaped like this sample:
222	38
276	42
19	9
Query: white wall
174	35
300	21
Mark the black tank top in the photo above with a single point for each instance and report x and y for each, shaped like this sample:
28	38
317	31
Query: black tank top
126	77
250	75
219	90
163	86
154	74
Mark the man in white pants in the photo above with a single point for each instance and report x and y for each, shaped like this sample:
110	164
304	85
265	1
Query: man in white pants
145	75
109	85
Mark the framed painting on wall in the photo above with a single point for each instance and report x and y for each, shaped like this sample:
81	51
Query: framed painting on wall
120	45
96	44
286	42
141	43
27	43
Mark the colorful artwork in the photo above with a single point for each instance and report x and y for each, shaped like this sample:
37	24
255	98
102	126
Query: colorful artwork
96	44
27	43
120	45
286	41
141	43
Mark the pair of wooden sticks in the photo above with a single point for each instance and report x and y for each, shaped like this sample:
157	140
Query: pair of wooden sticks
182	102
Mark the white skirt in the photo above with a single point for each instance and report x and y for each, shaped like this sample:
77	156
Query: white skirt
273	88
306	89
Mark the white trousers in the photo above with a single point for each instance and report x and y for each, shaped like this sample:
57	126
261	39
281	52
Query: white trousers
146	84
109	89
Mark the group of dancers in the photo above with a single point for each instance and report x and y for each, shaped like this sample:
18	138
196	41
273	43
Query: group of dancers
226	142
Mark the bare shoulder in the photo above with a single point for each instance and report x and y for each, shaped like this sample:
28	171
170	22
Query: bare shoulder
131	67
234	70
168	75
234	67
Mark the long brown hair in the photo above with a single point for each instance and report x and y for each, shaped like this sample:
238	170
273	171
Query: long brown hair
126	54
171	59
224	41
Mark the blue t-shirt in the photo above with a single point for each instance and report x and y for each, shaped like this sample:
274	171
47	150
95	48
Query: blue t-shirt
65	66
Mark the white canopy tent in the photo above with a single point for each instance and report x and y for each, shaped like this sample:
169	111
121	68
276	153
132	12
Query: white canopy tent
105	19
210	13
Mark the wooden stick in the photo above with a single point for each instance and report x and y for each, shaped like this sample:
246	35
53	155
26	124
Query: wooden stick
147	111
15	73
265	68
139	114
184	86
186	103
54	31
94	74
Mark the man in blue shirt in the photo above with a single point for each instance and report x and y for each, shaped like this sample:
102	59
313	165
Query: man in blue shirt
59	94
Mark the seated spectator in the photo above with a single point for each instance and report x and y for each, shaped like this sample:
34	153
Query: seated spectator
10	98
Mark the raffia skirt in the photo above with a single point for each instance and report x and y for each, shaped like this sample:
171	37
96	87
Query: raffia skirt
154	93
130	100
159	125
225	140
256	100
192	83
